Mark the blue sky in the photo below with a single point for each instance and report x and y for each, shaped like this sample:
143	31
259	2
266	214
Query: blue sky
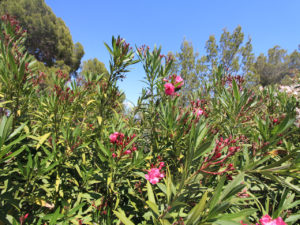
167	23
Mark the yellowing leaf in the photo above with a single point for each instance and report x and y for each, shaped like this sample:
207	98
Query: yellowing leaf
42	139
149	157
26	130
109	180
89	102
83	158
57	183
43	203
99	118
180	170
121	215
19	112
273	153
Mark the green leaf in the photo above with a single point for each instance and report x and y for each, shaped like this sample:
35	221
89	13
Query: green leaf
123	218
236	92
16	131
196	212
75	209
12	155
293	218
240	215
232	185
286	123
103	149
162	187
153	206
226	222
54	216
42	139
203	131
150	193
217	193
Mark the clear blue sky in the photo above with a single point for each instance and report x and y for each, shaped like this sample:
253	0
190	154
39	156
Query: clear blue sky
167	23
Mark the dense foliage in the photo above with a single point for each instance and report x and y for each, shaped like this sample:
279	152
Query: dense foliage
48	38
68	154
237	55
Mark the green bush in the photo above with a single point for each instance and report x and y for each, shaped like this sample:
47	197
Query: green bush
70	155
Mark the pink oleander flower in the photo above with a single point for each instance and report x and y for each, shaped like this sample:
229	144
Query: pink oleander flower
154	175
23	218
180	81
199	112
127	152
267	220
169	89
114	155
113	137
161	165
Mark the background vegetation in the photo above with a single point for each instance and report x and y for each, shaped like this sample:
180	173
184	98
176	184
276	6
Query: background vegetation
204	145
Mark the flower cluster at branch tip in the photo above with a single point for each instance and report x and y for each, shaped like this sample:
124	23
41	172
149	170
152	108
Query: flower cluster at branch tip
179	82
173	84
120	143
216	159
267	220
154	174
169	89
243	193
239	80
14	24
23	218
198	108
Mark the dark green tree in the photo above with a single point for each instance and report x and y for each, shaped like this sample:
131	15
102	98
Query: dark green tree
277	66
231	51
94	66
49	39
78	53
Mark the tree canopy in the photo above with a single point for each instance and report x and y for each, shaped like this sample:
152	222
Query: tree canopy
277	65
231	51
49	39
237	57
93	66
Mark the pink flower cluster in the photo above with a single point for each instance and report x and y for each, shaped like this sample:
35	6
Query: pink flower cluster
238	79
120	143
154	174
173	85
218	158
198	108
267	220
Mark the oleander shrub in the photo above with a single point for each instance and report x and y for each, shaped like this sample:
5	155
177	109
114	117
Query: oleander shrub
70	155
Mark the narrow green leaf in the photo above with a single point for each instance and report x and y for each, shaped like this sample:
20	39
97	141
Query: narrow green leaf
217	193
237	180
196	212
236	92
42	139
150	193
123	218
153	206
